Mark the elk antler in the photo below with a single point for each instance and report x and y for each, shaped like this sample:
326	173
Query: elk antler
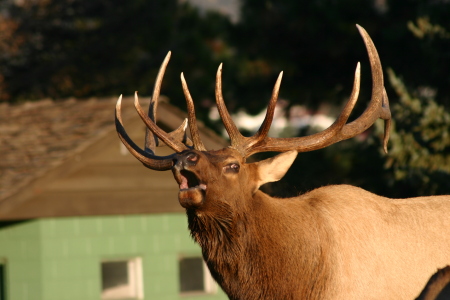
339	130
378	108
173	139
198	144
150	140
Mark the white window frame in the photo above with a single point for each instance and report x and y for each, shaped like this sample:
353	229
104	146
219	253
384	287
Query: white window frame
209	284
134	289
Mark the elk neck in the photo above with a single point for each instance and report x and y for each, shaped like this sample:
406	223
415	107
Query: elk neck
244	246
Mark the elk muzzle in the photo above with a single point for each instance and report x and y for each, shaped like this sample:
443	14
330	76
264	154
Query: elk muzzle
192	190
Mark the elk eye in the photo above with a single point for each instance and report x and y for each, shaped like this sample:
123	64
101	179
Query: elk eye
232	168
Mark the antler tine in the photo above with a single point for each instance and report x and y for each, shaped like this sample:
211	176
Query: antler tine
265	126
150	140
386	116
348	108
377	108
379	104
179	134
160	163
315	141
233	132
165	137
198	144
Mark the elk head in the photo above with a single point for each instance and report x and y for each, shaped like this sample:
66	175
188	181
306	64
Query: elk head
216	180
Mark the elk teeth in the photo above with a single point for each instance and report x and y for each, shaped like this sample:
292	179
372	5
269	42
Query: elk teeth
200	186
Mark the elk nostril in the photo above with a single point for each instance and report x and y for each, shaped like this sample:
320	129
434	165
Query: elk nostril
192	157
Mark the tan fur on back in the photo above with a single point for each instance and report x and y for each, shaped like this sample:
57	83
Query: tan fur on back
385	248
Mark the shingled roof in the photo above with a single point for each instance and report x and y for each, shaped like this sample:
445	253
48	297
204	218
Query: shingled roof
62	158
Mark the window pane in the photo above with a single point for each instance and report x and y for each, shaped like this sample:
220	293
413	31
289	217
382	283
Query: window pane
114	274
122	279
191	274
2	282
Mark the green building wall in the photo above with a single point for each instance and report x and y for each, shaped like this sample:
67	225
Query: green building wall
60	258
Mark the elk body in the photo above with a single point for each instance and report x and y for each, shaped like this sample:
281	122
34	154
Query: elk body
335	242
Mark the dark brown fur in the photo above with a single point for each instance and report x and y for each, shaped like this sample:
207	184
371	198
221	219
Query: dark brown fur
249	260
239	232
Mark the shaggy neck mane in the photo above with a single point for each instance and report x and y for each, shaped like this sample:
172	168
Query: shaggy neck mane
231	245
218	235
214	231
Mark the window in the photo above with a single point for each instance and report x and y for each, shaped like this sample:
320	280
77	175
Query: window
194	276
122	279
2	280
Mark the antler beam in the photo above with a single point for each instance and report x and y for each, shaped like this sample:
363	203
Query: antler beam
339	130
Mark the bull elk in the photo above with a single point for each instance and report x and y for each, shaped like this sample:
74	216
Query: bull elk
334	242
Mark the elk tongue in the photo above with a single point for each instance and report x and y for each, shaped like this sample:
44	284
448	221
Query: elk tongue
184	183
191	192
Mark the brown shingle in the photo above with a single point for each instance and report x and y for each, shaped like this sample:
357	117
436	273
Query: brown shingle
35	136
49	148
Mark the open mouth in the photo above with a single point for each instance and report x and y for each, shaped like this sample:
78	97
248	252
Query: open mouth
188	180
192	191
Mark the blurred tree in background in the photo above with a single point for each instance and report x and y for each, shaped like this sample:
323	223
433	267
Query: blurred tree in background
84	48
419	157
80	48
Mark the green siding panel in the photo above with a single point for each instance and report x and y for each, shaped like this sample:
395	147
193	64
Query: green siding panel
59	258
20	252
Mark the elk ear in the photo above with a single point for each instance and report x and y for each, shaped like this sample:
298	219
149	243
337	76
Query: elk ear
274	168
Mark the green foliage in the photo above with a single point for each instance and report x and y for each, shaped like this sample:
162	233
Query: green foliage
85	48
317	46
424	28
419	154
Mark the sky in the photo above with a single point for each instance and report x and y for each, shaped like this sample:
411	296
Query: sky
226	7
